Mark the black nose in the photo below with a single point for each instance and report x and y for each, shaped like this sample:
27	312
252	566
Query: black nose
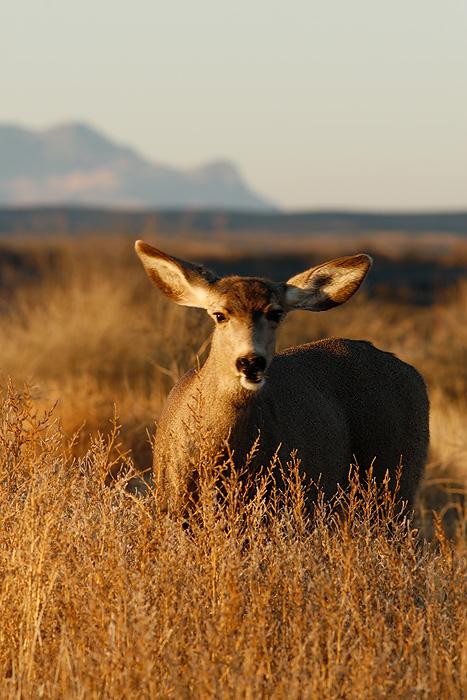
251	367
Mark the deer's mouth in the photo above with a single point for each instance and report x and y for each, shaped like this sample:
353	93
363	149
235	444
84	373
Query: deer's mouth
252	382
251	370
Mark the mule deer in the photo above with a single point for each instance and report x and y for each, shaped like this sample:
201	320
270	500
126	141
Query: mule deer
335	402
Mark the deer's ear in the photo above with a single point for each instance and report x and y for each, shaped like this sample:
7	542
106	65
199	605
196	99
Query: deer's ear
183	282
327	285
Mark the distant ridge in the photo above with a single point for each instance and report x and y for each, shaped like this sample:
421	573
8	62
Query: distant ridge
81	220
74	164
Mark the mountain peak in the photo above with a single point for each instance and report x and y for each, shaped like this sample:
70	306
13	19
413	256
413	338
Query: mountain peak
222	170
70	128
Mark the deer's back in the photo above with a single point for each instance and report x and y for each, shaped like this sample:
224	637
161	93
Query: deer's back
381	400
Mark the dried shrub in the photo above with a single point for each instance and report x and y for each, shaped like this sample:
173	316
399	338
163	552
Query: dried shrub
104	596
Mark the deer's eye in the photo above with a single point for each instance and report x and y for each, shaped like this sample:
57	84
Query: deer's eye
220	317
274	315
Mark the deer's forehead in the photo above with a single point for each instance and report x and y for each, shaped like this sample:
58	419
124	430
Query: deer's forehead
248	294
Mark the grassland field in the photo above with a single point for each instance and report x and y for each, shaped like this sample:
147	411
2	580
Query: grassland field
101	596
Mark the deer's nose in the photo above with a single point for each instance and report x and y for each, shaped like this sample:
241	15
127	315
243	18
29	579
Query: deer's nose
252	366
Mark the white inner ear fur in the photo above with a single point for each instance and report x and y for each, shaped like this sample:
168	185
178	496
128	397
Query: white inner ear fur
198	298
187	294
336	283
332	279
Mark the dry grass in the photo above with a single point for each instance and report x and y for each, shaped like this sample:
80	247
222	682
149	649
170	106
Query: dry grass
90	334
103	597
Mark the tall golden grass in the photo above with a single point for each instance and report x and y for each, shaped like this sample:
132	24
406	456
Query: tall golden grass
104	597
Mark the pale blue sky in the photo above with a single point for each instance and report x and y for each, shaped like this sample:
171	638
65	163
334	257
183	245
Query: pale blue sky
338	103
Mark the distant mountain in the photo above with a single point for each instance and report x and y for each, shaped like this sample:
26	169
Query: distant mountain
75	164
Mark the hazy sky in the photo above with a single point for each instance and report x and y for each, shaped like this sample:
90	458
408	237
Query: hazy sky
343	103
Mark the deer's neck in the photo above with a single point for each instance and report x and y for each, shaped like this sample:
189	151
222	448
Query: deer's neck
228	412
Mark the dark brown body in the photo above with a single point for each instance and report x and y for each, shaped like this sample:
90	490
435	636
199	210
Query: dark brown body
336	402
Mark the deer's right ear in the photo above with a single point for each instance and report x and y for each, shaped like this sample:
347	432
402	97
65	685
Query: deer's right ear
183	282
327	285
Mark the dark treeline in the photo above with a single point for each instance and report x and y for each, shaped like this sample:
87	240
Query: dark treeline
77	220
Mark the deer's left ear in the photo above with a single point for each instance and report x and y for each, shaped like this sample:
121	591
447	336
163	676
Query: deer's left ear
327	285
185	283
